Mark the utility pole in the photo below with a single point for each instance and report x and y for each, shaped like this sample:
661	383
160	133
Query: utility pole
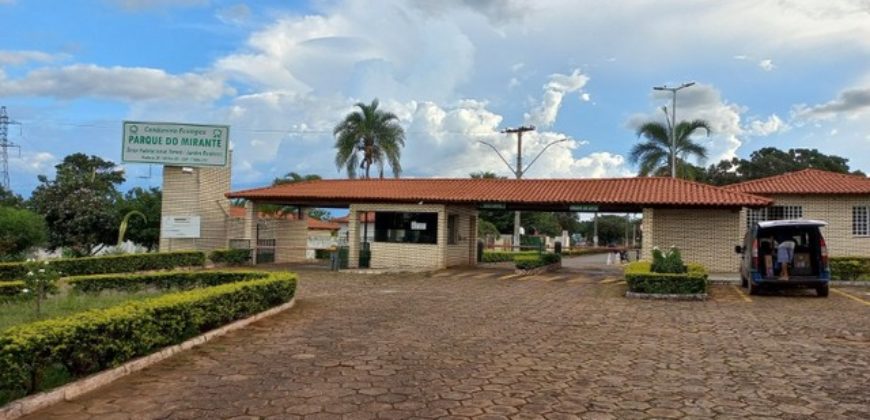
673	122
4	147
519	171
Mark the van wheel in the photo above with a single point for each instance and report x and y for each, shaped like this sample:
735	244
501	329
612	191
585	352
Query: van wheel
752	288
822	291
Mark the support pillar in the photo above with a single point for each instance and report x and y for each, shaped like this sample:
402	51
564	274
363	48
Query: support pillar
251	228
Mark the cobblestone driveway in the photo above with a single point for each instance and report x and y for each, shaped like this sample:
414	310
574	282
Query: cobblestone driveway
477	344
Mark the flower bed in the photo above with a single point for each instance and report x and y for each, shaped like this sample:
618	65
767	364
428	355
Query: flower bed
91	341
111	264
641	279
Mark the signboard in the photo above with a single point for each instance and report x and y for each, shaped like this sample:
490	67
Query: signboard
584	207
175	144
493	206
177	227
418	226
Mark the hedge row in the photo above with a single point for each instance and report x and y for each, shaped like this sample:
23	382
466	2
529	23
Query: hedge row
850	268
112	264
164	281
230	256
504	256
11	288
528	262
95	340
588	251
641	279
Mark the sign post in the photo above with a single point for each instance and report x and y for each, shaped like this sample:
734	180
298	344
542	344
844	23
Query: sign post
175	144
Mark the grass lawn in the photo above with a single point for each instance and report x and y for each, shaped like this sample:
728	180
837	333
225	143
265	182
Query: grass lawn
21	312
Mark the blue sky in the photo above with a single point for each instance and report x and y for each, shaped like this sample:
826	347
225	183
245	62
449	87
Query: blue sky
769	73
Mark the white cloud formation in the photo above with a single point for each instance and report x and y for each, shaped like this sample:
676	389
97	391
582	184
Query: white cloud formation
19	57
33	163
555	89
849	103
772	125
766	64
124	83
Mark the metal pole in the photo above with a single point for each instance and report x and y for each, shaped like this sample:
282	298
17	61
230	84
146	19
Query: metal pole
674	135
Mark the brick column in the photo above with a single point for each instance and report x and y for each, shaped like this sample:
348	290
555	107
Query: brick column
353	238
251	228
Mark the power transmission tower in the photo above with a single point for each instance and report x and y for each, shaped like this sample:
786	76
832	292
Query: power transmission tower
5	145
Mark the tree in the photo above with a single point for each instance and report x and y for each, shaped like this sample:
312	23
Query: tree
770	161
611	229
367	137
20	231
79	204
654	155
293	177
10	199
143	231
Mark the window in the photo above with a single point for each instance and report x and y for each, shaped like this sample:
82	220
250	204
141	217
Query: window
861	221
452	230
754	216
415	228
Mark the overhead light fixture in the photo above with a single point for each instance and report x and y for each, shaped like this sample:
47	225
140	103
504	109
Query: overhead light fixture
187	170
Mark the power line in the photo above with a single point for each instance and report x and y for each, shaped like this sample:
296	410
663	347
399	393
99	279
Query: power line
5	145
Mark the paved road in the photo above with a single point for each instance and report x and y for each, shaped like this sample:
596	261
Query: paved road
483	344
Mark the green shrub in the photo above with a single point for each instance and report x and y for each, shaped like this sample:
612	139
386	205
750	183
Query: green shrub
850	268
230	256
10	288
322	254
586	251
641	279
88	342
504	256
111	264
177	280
670	262
528	262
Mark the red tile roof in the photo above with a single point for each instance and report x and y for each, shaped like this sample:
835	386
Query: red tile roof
314	224
636	192
807	181
369	217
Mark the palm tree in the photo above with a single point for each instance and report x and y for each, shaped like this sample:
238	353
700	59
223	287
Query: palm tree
654	154
369	136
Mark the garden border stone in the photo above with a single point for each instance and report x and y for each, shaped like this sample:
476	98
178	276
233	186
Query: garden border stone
660	296
30	404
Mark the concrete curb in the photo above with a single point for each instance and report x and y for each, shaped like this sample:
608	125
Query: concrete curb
655	296
859	283
30	404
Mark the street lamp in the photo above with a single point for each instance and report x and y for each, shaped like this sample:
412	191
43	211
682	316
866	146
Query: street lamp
519	171
673	122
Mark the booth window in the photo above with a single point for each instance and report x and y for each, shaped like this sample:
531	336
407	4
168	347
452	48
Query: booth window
754	216
452	230
861	221
401	227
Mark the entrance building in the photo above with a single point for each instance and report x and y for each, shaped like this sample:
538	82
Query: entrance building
432	223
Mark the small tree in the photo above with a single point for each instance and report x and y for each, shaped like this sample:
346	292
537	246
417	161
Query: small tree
39	282
20	230
670	262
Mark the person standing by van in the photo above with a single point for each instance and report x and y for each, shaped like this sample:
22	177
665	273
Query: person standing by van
784	256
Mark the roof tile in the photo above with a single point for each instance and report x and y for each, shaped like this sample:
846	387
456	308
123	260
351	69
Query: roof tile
807	181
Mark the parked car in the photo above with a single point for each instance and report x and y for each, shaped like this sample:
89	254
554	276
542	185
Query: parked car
809	265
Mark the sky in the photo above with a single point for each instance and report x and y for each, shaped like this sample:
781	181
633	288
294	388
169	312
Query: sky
784	73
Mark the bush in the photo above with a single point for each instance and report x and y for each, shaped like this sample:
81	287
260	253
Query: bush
850	268
111	264
230	256
95	340
587	251
10	288
641	279
504	256
177	280
20	230
322	254
671	262
528	262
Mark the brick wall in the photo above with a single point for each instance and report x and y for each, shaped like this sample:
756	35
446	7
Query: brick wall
199	193
291	240
837	211
391	255
705	236
464	251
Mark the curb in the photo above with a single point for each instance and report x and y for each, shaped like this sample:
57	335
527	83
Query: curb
30	404
656	296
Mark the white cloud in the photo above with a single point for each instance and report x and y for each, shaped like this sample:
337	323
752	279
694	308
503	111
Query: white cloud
554	91
766	64
19	57
585	97
772	125
849	103
124	83
33	163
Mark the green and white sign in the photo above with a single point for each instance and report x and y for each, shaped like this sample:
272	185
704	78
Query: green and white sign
175	144
583	207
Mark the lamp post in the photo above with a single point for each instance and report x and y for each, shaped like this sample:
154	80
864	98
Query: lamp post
673	122
519	171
